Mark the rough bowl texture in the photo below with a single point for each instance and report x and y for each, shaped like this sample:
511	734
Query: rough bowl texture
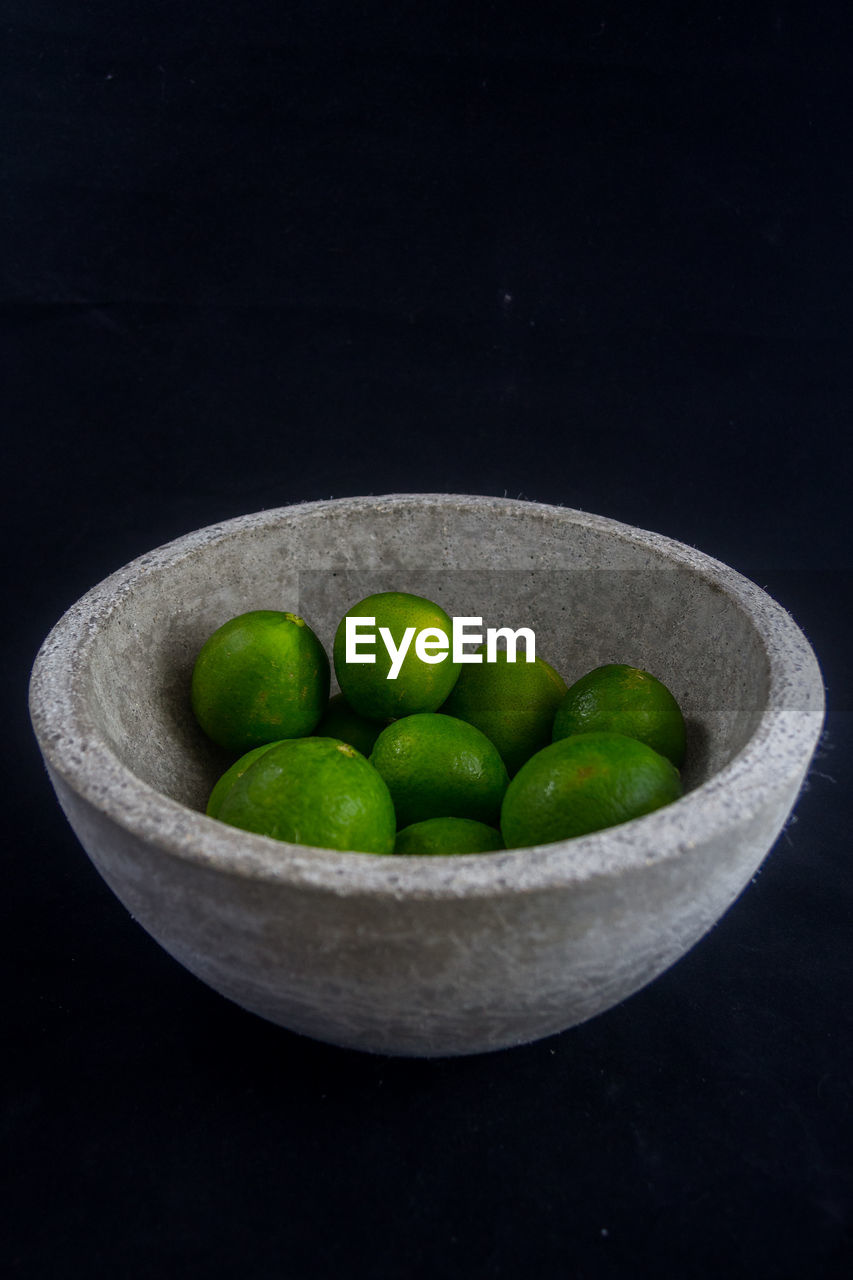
426	956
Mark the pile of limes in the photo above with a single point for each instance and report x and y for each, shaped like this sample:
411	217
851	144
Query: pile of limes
445	758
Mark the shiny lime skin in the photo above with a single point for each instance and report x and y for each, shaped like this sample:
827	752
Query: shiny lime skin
582	784
230	776
419	686
260	677
439	767
447	836
512	703
314	791
617	698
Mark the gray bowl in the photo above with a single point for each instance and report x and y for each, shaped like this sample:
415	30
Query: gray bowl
426	956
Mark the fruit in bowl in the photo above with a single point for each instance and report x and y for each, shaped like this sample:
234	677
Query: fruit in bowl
426	955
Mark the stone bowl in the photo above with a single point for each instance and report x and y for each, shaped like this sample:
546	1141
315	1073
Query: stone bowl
426	956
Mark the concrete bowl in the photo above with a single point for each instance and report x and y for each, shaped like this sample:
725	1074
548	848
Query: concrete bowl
426	956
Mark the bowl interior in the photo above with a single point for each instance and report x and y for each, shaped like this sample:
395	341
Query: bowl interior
592	592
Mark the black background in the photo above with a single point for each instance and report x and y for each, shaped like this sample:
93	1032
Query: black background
593	254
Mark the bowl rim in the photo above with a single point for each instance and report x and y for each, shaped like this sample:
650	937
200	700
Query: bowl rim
780	746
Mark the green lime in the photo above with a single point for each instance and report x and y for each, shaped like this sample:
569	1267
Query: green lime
439	767
230	776
340	721
512	703
619	699
585	783
419	685
314	791
260	677
448	835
